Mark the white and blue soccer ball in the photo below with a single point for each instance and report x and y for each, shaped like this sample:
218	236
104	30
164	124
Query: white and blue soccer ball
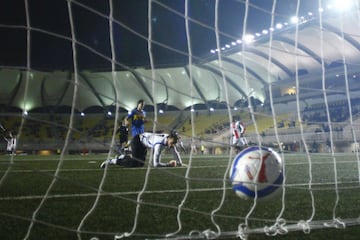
257	172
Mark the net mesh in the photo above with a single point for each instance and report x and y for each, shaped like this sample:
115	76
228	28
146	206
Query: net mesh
313	127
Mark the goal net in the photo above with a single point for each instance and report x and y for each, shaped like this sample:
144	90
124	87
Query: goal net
72	69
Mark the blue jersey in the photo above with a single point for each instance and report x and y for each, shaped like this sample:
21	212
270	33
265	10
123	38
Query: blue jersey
137	121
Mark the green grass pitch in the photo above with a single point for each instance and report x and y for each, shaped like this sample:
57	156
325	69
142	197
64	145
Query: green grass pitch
25	180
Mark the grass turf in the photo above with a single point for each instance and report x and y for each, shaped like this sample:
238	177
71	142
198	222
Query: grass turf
25	180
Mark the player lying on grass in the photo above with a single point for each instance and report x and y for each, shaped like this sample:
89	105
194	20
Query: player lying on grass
139	146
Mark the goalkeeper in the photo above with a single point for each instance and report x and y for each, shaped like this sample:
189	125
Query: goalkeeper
139	146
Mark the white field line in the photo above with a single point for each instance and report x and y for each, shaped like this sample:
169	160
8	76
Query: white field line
73	195
137	169
148	192
106	194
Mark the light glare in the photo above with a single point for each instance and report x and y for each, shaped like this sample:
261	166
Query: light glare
279	26
248	38
294	19
342	5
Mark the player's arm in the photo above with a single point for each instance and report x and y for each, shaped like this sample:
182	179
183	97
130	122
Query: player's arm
182	147
144	117
242	129
177	156
129	116
157	156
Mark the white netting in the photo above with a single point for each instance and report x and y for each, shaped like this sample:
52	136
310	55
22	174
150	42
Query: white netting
294	83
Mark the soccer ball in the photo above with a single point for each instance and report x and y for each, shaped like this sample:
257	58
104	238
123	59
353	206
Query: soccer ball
257	172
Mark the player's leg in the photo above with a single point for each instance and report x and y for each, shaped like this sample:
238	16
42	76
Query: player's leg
138	151
245	141
120	150
236	144
124	160
176	156
122	153
111	161
242	144
117	160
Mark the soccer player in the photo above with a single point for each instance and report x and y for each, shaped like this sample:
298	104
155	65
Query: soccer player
137	117
11	144
238	130
139	145
123	132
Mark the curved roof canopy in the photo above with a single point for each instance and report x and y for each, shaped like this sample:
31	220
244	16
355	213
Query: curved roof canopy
235	73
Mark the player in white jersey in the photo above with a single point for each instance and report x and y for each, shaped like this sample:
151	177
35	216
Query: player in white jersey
139	145
11	143
238	130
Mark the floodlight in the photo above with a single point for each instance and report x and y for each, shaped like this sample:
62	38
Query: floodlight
294	19
279	26
248	38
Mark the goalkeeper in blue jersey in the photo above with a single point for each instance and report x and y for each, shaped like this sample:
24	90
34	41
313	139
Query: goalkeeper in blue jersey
144	141
137	117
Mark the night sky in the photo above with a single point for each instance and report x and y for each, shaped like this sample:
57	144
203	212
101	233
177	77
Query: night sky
51	47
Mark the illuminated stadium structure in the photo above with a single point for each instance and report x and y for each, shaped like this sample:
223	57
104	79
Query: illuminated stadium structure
301	57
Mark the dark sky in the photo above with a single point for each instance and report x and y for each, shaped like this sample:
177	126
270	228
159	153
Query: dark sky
51	47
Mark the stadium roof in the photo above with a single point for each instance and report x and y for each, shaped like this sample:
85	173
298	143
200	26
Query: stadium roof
238	67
